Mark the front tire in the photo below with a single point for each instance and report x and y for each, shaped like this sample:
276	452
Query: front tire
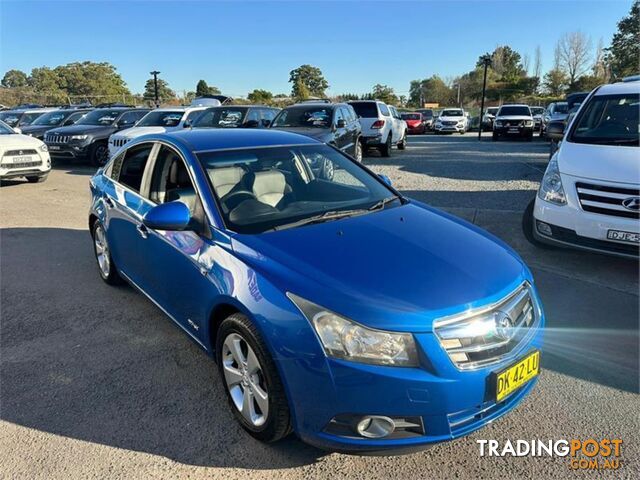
106	267
254	390
402	144
36	178
99	154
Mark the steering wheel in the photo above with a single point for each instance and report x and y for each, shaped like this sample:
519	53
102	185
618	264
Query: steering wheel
233	199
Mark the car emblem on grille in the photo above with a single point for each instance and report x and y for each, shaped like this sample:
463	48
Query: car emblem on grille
631	203
20	152
504	325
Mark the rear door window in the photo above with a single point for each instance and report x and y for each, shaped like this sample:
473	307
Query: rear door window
128	169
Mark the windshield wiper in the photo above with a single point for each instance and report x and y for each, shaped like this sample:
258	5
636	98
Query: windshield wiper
381	204
323	217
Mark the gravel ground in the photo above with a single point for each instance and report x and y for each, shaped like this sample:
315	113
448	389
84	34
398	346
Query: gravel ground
95	382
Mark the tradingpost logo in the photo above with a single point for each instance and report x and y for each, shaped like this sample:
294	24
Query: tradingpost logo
589	454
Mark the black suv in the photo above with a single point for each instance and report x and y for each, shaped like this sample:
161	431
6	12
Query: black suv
50	120
332	123
88	137
236	116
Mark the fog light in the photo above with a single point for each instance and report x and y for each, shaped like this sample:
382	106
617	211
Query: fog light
544	228
375	427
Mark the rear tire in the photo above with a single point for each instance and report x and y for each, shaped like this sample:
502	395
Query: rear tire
385	150
244	381
36	178
357	154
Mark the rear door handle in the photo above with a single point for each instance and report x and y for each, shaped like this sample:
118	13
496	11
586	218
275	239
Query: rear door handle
142	230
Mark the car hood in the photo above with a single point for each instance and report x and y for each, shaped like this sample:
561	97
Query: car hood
321	134
82	129
18	141
396	269
507	118
608	163
134	132
35	129
457	119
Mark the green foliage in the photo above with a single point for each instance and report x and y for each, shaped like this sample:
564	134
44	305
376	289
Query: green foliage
624	53
347	97
384	93
431	90
165	94
506	63
14	79
555	82
202	89
307	81
585	83
259	96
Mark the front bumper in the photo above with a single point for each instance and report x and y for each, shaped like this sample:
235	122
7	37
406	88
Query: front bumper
449	128
69	150
37	168
417	130
573	227
515	131
448	402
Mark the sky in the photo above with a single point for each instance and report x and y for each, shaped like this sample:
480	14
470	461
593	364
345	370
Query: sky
238	46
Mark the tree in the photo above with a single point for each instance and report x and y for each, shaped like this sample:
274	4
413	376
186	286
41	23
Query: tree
47	84
555	82
622	56
311	78
260	96
14	79
202	89
574	51
585	83
384	93
91	79
431	90
165	94
506	62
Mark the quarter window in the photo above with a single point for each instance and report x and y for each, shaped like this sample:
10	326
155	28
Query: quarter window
383	109
127	169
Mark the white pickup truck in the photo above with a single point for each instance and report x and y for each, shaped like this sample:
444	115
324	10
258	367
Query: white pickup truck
382	126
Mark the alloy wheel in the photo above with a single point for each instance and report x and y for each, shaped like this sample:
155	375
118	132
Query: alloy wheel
101	155
102	251
245	380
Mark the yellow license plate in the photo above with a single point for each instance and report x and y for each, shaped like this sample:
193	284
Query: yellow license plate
514	377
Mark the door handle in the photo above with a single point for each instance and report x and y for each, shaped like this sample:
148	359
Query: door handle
108	202
142	230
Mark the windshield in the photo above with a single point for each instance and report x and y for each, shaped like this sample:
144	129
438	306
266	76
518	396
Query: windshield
316	117
536	110
452	113
5	129
10	118
492	110
263	189
221	117
365	109
52	118
608	120
426	113
161	119
514	110
410	116
99	117
28	118
561	108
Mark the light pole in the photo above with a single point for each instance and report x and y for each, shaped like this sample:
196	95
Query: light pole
155	74
486	61
458	98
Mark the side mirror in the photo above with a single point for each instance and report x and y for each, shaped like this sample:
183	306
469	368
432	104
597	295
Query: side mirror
385	179
187	124
341	123
17	130
266	123
555	130
168	216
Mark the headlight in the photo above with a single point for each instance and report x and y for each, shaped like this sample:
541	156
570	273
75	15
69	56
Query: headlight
528	123
551	189
44	148
498	123
79	137
345	339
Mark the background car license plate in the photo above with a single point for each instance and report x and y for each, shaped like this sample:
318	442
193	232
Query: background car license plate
54	147
22	159
515	376
623	236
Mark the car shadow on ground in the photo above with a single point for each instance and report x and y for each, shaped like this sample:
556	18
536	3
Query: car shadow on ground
101	364
73	166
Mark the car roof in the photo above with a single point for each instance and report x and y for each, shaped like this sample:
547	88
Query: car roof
514	105
207	139
619	88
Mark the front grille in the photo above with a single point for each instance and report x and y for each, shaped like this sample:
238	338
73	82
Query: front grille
487	335
22	165
607	200
449	123
515	123
53	138
119	141
19	153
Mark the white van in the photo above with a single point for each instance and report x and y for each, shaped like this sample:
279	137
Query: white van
589	197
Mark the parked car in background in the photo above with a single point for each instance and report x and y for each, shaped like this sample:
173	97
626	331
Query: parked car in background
589	197
22	156
488	117
537	113
55	118
382	127
332	123
554	111
273	272
22	117
513	121
428	117
159	120
88	137
415	123
451	120
236	116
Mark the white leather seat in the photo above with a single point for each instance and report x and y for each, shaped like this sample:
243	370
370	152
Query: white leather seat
269	187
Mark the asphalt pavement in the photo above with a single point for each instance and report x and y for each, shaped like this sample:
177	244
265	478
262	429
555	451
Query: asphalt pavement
95	382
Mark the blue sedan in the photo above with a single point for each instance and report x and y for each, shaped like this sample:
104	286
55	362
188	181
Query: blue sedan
336	308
